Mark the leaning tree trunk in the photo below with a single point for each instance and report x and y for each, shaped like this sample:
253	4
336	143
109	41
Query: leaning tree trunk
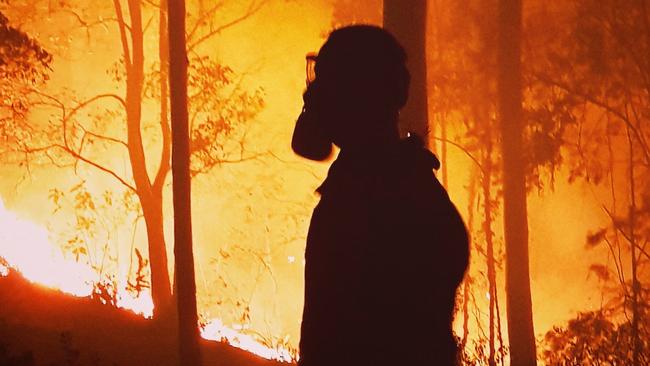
188	331
406	19
520	314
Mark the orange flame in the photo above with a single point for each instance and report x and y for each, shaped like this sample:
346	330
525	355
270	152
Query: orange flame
215	330
26	248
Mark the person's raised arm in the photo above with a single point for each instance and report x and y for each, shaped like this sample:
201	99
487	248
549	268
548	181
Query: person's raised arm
309	138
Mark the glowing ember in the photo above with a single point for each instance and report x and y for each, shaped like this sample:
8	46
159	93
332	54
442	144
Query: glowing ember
25	247
217	331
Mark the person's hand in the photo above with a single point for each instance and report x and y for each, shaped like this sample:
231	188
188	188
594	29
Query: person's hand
309	137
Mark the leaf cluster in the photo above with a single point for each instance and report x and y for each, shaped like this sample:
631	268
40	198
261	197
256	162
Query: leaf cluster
592	339
21	57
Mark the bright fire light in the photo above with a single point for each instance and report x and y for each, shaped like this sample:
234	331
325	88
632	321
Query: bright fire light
215	330
25	248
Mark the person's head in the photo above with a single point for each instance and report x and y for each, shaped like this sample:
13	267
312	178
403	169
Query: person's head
360	83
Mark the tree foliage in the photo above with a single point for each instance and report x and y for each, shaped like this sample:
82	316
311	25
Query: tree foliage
23	64
105	130
21	57
592	339
590	85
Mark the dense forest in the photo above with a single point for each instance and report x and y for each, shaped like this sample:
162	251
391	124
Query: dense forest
538	111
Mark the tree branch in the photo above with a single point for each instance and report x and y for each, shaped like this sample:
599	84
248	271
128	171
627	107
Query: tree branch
464	150
601	104
625	235
105	138
78	156
202	18
125	43
253	8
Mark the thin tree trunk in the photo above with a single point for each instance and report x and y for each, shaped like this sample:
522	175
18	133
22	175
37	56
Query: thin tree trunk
433	50
406	19
188	332
520	315
150	199
465	337
443	152
636	341
489	243
467	281
165	154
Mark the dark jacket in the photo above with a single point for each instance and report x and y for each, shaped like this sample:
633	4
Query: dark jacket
386	251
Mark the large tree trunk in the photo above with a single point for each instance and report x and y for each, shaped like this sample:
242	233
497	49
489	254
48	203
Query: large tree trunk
406	19
520	315
188	331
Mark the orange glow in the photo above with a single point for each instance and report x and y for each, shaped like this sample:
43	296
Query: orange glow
215	330
26	248
250	217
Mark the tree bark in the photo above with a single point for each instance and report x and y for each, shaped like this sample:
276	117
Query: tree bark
188	332
520	315
406	20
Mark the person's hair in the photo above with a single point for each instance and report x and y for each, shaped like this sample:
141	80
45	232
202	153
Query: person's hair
368	58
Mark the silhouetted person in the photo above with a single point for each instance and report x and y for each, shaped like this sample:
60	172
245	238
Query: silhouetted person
386	249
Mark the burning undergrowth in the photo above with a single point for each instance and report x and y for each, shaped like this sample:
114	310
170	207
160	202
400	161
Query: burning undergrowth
44	291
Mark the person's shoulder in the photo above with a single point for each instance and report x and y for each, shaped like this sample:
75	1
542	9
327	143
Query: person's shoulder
417	166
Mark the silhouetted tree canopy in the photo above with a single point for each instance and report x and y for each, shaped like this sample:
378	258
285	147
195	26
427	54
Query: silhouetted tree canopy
21	57
23	64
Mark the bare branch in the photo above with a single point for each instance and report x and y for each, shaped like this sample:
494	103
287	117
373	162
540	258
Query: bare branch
152	3
125	43
202	18
601	104
78	107
105	138
65	118
214	161
147	24
78	156
253	8
624	234
464	150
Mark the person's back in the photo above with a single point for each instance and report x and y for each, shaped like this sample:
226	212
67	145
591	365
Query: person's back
386	248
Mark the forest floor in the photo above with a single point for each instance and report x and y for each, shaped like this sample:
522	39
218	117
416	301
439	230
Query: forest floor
41	326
